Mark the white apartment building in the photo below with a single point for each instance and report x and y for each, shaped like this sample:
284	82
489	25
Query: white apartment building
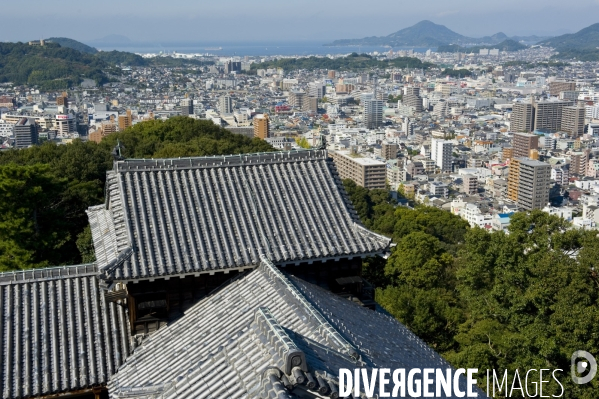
441	153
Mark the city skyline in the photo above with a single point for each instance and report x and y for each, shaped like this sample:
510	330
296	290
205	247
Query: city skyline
237	21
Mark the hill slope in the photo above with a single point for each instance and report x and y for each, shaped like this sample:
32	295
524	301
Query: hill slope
74	44
582	45
584	39
50	67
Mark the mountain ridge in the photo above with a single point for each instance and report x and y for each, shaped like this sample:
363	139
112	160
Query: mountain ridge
429	34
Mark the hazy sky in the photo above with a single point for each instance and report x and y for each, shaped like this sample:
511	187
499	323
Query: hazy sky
267	20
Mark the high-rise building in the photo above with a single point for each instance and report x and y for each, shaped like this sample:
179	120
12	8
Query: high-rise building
296	99
232	66
573	121
331	74
187	106
261	126
441	153
507	153
317	89
225	105
63	100
373	113
26	133
411	98
559	85
523	143
578	162
310	104
389	150
529	182
366	172
125	121
522	118
469	184
548	114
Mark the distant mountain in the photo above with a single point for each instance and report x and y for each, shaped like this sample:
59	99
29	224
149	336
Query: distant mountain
582	45
74	44
584	39
425	34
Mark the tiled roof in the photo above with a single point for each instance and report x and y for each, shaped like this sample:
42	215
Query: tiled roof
57	332
187	216
281	334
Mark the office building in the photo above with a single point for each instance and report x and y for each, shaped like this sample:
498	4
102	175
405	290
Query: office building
125	121
529	182
389	150
65	124
373	113
25	133
225	105
365	172
261	126
441	153
523	143
558	86
573	121
522	117
187	106
232	66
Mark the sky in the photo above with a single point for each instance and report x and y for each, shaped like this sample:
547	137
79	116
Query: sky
282	21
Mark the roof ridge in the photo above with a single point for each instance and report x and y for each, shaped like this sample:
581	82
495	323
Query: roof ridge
141	165
48	273
327	330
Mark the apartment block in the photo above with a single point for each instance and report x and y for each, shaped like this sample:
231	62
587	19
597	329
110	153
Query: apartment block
573	121
522	118
523	143
389	150
441	153
366	172
261	126
529	182
558	86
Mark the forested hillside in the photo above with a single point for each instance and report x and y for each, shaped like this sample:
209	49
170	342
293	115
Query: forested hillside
489	300
45	190
51	67
352	62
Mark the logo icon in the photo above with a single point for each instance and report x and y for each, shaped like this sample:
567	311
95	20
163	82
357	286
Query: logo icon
588	366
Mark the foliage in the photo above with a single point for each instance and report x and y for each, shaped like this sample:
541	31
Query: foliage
394	99
489	300
74	44
352	62
45	190
303	143
454	73
51	67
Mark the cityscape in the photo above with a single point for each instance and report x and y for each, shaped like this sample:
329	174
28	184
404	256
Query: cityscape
209	223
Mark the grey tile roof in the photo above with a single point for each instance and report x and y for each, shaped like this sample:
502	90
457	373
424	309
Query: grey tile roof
187	216
265	335
57	332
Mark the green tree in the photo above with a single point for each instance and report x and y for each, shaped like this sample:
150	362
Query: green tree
32	221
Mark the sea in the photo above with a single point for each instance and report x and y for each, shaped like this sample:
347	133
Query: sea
253	49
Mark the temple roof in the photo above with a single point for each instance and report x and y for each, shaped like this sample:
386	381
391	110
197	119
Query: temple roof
282	335
196	215
58	333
